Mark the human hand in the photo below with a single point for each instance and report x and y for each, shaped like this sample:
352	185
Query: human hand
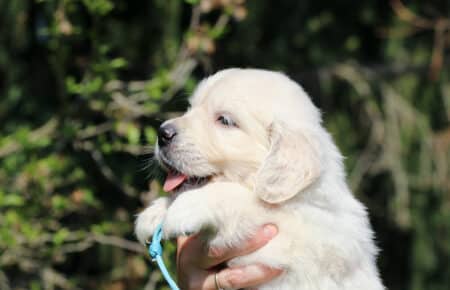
198	265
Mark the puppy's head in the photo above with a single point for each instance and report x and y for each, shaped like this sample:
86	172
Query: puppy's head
249	126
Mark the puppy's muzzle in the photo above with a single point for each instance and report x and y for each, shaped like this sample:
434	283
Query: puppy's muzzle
166	133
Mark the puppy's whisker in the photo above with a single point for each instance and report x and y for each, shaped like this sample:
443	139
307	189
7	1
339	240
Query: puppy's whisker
146	163
148	150
155	174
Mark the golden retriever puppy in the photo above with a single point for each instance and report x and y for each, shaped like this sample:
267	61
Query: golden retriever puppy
251	150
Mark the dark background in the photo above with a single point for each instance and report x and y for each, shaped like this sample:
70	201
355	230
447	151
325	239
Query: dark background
84	84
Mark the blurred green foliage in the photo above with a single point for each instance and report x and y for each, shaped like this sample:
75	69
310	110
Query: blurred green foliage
84	84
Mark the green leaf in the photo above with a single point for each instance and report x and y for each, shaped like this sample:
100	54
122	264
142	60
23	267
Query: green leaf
99	7
192	2
133	134
150	135
12	200
60	236
118	63
59	202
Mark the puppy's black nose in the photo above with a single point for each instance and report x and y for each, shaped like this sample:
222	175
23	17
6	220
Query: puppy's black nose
165	134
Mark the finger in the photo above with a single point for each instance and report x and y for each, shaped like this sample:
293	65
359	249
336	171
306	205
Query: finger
216	256
181	243
187	248
242	277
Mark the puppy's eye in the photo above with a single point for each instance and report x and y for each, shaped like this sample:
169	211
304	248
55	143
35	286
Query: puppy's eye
226	121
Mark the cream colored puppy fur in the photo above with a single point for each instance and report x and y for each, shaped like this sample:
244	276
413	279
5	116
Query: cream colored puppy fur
277	165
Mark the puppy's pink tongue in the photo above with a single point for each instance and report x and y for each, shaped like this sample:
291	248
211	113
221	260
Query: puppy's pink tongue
173	180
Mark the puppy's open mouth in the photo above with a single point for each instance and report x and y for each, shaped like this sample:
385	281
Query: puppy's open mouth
177	181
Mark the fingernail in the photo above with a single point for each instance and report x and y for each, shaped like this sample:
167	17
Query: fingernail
270	231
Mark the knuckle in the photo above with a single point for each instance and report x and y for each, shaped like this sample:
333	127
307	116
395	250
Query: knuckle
215	252
232	280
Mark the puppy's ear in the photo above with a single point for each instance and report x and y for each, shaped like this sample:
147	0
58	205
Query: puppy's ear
292	165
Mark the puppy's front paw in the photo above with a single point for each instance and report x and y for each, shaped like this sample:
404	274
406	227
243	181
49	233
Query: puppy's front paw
186	215
149	218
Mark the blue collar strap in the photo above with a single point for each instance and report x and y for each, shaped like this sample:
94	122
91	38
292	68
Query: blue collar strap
155	250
